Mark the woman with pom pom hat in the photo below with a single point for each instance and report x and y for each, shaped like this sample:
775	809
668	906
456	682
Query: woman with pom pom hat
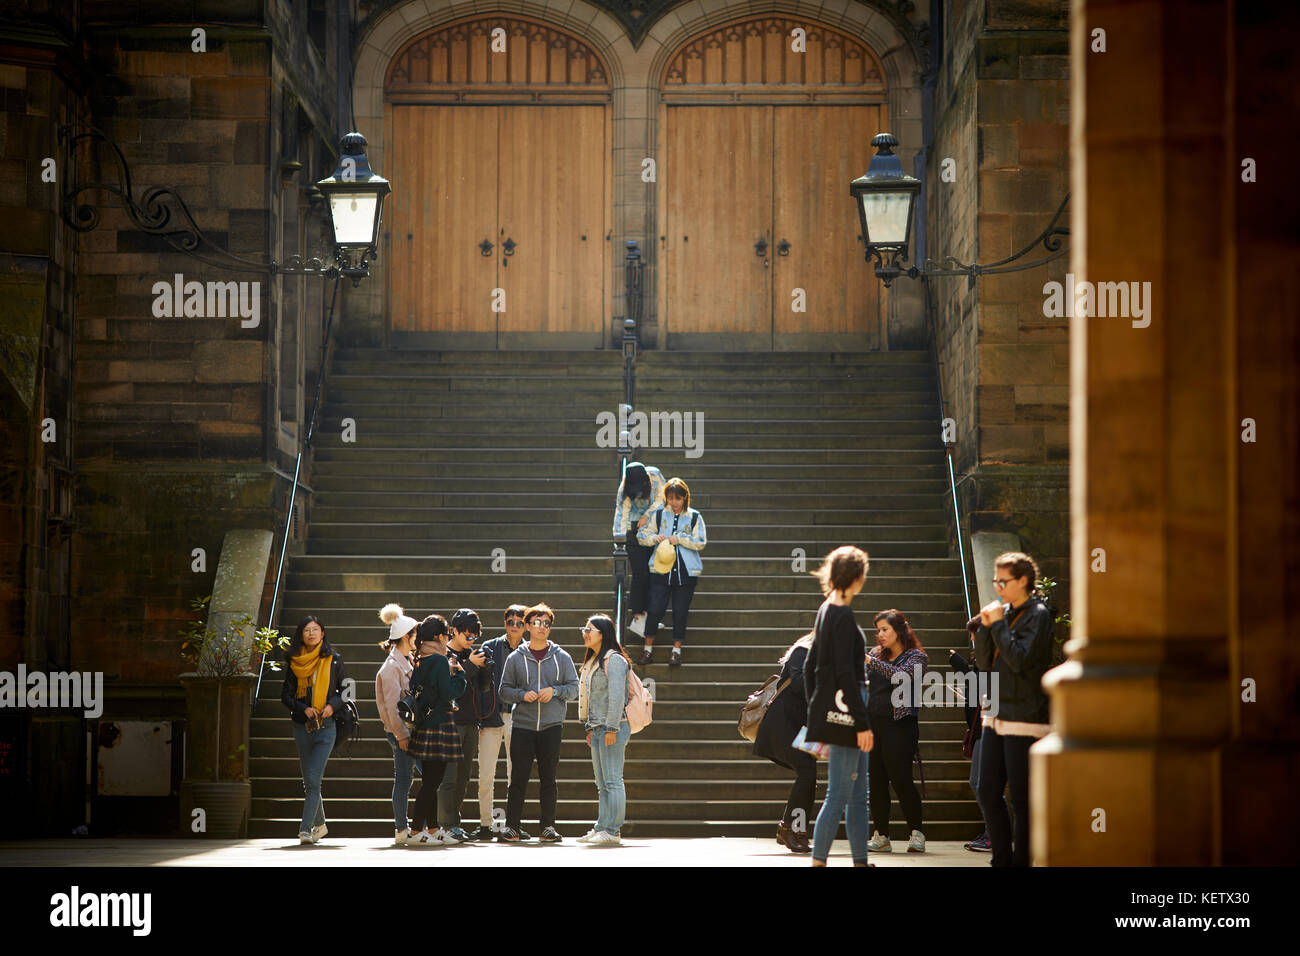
391	684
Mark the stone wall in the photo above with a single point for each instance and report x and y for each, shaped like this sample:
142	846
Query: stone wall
1002	115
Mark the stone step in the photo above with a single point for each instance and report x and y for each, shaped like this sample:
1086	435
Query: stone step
647	358
573	431
851	407
350	539
382	831
341	475
330	436
945	572
580	460
770	382
360	576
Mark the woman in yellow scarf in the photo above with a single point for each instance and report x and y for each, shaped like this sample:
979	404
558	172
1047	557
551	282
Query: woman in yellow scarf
313	692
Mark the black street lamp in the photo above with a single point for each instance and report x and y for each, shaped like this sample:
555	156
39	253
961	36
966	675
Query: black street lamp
885	198
355	196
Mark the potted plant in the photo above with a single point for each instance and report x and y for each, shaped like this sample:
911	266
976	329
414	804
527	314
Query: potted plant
1061	633
216	796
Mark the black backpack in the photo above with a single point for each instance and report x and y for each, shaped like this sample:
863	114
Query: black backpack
347	726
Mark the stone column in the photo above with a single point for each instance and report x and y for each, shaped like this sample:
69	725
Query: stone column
1198	526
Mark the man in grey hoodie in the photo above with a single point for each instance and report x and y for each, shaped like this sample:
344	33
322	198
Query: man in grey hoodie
539	680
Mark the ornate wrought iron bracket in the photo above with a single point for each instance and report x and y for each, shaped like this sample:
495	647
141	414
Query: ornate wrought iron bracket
160	211
889	262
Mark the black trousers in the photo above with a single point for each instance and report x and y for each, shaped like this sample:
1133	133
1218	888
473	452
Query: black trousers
802	794
525	747
1004	762
890	763
663	586
638	558
425	811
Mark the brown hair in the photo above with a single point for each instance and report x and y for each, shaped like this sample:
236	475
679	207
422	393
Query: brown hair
677	486
841	568
1021	565
906	636
537	609
805	641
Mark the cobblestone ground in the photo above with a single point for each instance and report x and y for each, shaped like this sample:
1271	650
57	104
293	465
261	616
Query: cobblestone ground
633	853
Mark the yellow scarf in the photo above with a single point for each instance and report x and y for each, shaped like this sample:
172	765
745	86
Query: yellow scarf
306	664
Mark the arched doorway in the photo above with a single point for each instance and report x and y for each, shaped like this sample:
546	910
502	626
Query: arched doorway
498	130
763	124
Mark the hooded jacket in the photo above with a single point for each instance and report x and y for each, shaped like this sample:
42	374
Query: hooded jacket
523	673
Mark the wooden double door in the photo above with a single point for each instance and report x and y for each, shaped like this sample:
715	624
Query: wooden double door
760	244
499	225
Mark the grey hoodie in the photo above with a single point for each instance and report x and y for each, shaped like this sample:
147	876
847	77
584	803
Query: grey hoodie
523	673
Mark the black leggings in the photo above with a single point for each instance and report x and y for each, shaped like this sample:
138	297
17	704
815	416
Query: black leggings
890	762
426	801
1004	762
639	558
802	793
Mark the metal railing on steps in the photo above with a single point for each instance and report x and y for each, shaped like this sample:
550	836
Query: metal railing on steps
632	298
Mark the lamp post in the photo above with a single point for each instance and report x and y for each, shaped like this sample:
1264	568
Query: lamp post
355	194
885	198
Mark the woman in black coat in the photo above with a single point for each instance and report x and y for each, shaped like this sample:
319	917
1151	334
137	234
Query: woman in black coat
785	715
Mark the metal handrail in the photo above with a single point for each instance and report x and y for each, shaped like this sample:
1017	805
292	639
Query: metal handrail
297	468
952	483
633	266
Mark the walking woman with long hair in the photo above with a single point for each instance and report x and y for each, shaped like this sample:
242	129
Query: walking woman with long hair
435	742
313	692
391	684
785	715
896	728
602	707
835	682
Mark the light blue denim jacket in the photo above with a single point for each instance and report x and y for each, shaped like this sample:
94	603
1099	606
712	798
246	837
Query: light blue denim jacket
607	694
690	542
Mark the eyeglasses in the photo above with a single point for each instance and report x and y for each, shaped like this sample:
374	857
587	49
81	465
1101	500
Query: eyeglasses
587	628
515	622
1000	583
540	622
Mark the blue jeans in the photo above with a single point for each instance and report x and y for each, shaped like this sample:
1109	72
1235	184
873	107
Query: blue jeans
846	799
607	765
313	751
403	772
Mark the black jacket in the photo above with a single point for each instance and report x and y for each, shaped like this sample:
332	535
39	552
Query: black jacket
835	678
972	711
298	706
785	716
1024	653
479	700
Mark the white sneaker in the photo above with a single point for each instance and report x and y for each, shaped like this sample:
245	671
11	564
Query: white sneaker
637	624
318	832
879	844
917	843
402	837
605	838
305	837
423	838
442	836
586	837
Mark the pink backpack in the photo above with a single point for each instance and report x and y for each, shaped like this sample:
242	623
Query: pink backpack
640	705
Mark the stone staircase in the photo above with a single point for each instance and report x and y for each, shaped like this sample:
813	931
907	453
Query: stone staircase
461	453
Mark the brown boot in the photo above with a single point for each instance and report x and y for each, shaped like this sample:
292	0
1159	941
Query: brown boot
792	839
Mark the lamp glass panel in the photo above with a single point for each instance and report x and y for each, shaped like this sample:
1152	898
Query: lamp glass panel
354	218
886	213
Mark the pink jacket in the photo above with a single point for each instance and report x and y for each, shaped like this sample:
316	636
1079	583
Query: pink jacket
392	681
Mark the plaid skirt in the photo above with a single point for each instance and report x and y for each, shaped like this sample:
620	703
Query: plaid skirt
437	743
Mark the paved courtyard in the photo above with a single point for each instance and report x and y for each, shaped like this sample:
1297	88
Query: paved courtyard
719	851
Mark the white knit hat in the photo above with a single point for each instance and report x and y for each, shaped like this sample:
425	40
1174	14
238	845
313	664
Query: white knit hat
399	625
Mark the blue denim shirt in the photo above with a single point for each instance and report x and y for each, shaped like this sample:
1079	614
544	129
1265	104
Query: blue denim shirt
607	694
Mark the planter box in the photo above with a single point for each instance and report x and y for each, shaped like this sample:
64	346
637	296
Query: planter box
216	756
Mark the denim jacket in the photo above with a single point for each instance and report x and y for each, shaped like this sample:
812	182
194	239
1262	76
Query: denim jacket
607	693
690	542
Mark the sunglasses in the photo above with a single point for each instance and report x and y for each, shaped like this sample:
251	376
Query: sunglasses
540	622
515	622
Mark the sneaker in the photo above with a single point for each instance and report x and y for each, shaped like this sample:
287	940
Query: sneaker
423	838
509	835
304	837
586	837
917	843
605	838
402	837
637	624
676	657
317	832
525	835
647	655
445	837
980	844
551	835
460	835
878	843
482	834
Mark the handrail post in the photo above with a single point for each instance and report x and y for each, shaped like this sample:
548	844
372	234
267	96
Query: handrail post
632	305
